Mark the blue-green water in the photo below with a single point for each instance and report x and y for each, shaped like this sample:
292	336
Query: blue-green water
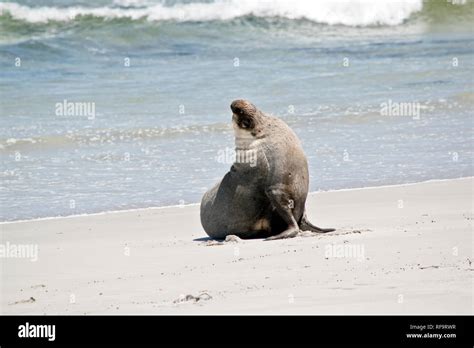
161	77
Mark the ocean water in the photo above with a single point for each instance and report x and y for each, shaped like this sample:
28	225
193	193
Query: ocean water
379	92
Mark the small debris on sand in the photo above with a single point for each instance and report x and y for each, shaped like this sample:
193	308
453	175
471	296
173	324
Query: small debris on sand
232	238
38	286
204	296
229	239
30	300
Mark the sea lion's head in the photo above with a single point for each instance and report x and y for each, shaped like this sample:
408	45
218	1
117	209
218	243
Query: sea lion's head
246	117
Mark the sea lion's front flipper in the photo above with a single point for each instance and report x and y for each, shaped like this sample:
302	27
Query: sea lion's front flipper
282	204
289	233
305	225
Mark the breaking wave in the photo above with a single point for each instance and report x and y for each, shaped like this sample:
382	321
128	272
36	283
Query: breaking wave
342	12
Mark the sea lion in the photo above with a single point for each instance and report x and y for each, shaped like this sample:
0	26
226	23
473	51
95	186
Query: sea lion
264	193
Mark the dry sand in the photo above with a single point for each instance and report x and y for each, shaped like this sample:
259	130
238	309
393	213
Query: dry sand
398	249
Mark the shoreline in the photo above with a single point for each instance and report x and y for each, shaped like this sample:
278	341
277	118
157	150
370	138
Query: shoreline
197	204
413	258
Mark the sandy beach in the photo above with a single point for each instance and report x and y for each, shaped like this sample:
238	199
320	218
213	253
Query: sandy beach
397	250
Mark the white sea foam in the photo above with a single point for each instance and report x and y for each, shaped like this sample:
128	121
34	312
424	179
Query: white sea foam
198	204
332	12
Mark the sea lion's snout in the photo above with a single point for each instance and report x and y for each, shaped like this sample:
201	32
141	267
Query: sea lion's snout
243	113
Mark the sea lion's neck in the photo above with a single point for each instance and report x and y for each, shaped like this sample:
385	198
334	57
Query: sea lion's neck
246	149
245	140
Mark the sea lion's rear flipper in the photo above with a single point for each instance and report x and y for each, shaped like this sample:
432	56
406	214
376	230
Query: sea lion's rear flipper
305	225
